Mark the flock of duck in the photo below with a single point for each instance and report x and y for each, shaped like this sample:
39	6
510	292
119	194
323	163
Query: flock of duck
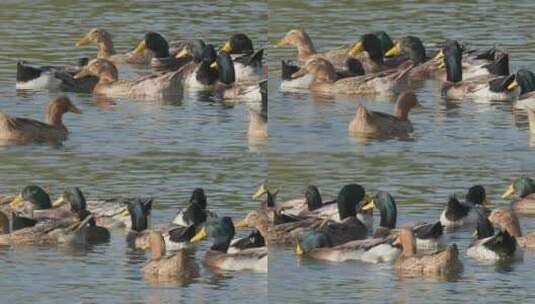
235	73
377	66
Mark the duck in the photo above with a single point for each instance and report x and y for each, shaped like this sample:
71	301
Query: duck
276	214
506	220
164	265
374	62
457	214
148	86
379	124
258	118
524	187
161	61
199	74
490	246
103	40
478	90
31	198
525	79
138	235
226	89
253	240
30	77
326	80
440	263
185	217
248	64
17	130
66	231
414	49
217	257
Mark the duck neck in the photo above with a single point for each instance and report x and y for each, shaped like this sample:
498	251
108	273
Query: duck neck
54	117
409	247
401	112
105	49
107	78
305	49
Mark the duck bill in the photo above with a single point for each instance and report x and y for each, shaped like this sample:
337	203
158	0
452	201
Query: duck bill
58	203
440	56
512	86
261	190
282	43
125	212
17	201
214	65
81	74
510	191
84	41
299	250
394	51
226	48
201	235
183	53
140	48
357	49
369	203
397	242
241	224
441	65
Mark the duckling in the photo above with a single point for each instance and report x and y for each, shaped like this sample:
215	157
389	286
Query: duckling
228	90
247	63
161	61
524	187
525	79
199	73
326	81
490	246
149	86
440	263
53	77
506	219
382	125
217	257
16	130
185	217
479	90
161	265
103	40
258	126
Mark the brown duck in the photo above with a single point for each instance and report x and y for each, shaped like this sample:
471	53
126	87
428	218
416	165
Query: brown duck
385	125
24	130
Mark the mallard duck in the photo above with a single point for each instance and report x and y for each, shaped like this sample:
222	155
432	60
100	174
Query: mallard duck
253	240
524	187
161	265
506	219
319	246
102	39
53	77
149	86
525	79
491	246
48	233
138	236
326	80
413	47
247	63
199	73
161	61
457	214
440	263
228	90
379	124
185	217
479	90
374	62
32	197
18	130
222	231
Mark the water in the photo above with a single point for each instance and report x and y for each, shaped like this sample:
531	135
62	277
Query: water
165	149
123	147
453	147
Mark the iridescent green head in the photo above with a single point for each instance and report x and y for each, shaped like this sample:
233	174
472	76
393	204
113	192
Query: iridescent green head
523	186
313	240
453	61
138	214
313	198
386	41
348	199
222	232
526	81
75	198
35	195
386	205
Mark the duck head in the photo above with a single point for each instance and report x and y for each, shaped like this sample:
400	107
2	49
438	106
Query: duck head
104	69
386	41
139	213
372	45
199	198
523	186
238	44
322	70
405	102
477	195
57	107
95	35
35	195
155	43
348	199
313	198
225	68
453	61
222	231
411	46
525	79
386	205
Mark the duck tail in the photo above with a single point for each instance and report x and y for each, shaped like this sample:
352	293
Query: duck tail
361	113
489	54
500	66
26	73
288	69
256	59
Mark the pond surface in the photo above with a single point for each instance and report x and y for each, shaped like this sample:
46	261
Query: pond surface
127	148
454	146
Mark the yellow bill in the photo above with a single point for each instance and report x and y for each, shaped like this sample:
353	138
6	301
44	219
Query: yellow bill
475	234
227	47
241	224
370	203
84	41
441	65
57	203
512	86
357	49
298	250
440	55
125	212
16	201
262	189
182	53
140	48
394	51
510	191
214	65
282	43
201	235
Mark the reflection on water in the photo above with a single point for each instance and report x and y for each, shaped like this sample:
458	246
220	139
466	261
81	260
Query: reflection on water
454	146
120	147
